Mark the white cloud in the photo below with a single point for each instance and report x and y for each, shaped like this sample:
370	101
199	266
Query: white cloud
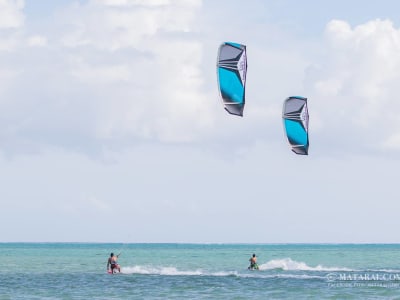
11	15
160	96
11	23
121	70
129	24
356	86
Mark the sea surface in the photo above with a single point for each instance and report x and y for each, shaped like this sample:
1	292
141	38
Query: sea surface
200	271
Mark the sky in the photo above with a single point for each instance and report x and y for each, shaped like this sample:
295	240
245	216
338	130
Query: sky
112	129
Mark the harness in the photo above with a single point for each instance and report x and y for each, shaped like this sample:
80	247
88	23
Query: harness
113	263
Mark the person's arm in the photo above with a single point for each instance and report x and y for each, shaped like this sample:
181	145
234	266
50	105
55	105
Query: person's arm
108	264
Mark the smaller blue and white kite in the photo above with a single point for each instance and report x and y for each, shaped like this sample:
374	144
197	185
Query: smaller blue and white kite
295	122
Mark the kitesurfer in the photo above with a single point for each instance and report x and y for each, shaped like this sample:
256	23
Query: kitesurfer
112	263
253	263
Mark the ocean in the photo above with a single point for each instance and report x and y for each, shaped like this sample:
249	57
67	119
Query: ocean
200	271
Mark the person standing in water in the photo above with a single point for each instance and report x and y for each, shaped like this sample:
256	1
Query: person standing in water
253	263
112	263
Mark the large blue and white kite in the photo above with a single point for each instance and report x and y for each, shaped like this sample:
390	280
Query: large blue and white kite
231	72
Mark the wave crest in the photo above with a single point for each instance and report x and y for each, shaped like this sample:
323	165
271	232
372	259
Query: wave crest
287	264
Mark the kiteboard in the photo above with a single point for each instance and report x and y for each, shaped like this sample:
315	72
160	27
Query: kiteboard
254	268
115	273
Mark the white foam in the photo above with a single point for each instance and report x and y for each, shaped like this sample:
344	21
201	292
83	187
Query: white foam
257	274
172	271
287	264
159	271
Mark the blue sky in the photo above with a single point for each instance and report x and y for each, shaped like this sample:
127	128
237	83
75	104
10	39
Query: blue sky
111	129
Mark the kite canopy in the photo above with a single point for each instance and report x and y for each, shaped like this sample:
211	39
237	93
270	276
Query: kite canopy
295	122
231	72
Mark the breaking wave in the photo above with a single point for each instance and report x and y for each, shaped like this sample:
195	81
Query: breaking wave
172	271
287	264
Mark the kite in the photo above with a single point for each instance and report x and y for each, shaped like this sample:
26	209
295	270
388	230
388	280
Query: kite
231	72
295	122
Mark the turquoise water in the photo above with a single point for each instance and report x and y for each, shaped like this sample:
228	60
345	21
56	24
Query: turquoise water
199	271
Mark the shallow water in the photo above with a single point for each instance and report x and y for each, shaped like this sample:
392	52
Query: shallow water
199	271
